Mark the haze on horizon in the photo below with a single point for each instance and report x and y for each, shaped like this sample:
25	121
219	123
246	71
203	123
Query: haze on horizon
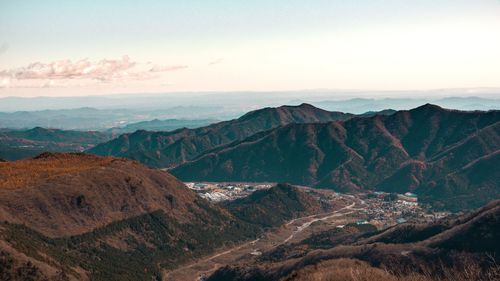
74	48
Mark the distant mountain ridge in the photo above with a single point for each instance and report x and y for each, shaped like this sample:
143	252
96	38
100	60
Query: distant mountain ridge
88	118
55	135
162	125
18	144
165	149
429	150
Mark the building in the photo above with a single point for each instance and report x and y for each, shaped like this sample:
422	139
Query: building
408	197
401	220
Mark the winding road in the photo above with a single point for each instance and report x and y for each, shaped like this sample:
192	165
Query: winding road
271	240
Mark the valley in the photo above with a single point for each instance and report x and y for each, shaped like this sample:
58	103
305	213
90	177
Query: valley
351	211
287	233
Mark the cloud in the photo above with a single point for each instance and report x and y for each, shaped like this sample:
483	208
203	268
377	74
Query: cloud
216	61
66	69
103	70
160	68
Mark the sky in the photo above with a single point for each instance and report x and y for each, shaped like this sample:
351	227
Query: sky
70	48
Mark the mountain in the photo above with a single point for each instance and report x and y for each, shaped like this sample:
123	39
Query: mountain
166	149
440	154
84	118
456	248
381	112
18	144
55	135
451	99
102	118
273	207
225	104
162	125
81	217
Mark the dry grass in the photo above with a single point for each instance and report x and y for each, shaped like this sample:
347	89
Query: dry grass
340	270
355	270
24	173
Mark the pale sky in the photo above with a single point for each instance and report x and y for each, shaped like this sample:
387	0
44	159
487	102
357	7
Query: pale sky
65	48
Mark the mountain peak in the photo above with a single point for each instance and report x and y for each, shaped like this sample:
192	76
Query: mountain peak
429	107
38	129
303	105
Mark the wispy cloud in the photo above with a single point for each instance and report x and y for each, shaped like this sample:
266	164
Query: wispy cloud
163	68
216	61
105	70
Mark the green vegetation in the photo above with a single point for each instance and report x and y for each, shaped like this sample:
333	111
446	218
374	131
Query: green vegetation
272	207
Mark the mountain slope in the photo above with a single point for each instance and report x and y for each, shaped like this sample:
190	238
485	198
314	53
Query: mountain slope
412	150
165	149
274	206
456	248
70	194
88	217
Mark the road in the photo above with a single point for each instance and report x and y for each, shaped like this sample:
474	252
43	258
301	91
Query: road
308	223
270	240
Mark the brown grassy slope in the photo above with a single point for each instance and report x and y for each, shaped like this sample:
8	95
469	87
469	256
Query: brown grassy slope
106	219
356	270
24	173
69	194
340	270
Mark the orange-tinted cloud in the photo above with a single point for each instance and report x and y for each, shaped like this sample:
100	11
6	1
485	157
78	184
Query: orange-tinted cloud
105	70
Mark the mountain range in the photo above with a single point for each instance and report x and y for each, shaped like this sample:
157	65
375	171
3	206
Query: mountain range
161	125
167	149
440	154
18	144
90	118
